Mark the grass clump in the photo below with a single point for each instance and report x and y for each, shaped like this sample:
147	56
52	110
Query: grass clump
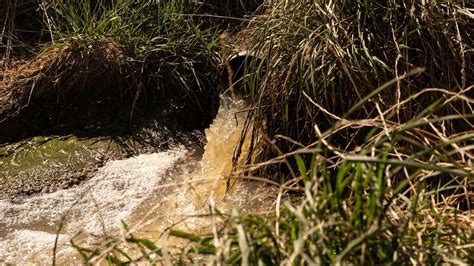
382	202
113	63
337	52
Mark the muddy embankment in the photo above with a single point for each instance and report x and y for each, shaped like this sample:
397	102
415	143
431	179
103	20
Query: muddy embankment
91	91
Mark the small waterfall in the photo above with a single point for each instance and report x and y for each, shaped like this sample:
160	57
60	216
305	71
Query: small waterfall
150	192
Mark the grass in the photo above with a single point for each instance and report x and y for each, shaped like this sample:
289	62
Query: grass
147	57
17	34
383	202
337	52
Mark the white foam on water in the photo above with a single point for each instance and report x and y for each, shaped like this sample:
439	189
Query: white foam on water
126	190
24	247
111	196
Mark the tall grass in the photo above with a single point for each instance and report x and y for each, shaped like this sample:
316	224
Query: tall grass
404	196
157	34
136	58
337	52
20	27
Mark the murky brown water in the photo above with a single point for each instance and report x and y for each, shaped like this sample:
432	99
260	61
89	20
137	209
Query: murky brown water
138	190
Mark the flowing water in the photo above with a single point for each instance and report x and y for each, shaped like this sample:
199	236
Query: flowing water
150	192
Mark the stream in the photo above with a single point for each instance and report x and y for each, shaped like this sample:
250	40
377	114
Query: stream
150	191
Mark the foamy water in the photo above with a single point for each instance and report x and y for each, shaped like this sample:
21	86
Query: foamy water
129	190
95	207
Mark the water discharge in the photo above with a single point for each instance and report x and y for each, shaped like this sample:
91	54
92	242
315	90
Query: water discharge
150	192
